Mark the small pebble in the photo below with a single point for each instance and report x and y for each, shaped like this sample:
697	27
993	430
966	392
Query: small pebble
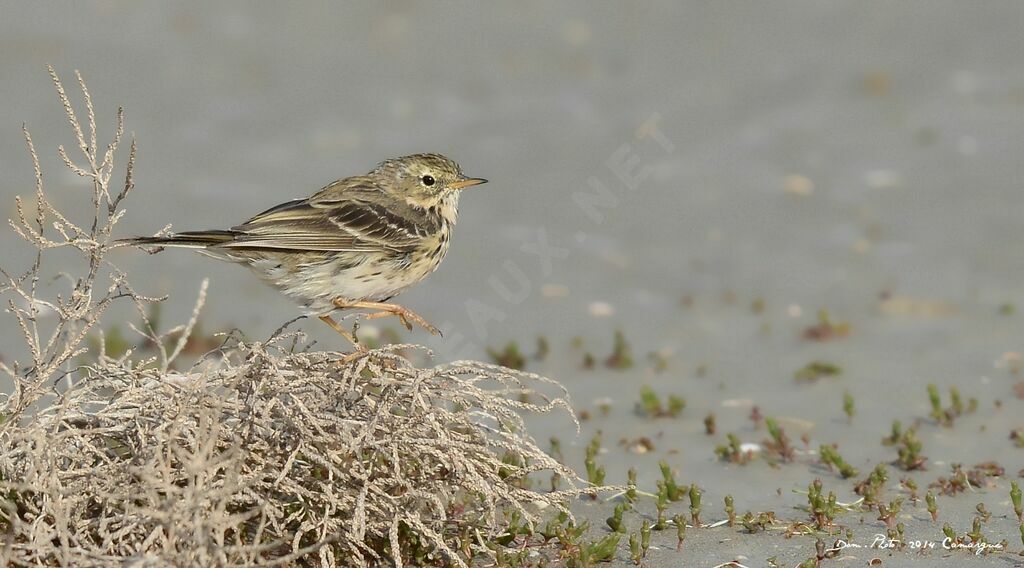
737	403
796	184
554	291
882	179
601	309
750	447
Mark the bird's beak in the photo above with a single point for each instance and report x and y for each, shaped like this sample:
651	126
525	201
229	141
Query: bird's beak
467	182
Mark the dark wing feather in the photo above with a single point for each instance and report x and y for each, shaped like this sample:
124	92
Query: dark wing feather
287	205
344	216
379	223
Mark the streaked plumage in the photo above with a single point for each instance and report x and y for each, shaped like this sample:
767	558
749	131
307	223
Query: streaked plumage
362	239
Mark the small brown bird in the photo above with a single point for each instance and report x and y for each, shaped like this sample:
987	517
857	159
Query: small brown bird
356	243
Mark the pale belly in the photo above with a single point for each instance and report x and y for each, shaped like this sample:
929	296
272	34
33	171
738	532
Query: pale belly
315	285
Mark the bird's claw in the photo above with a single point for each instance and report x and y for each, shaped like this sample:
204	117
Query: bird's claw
406	316
405	322
361	350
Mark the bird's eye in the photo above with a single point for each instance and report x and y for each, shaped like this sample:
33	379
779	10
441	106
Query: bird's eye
427	180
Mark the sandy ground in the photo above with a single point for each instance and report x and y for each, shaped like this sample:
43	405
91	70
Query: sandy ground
703	176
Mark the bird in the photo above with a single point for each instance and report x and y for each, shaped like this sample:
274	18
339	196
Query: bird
355	243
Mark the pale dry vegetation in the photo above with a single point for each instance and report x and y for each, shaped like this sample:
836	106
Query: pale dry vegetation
259	452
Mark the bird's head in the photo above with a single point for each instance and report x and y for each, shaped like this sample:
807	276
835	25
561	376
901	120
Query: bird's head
424	180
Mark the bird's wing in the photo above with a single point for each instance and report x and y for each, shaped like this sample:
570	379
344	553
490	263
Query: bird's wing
348	215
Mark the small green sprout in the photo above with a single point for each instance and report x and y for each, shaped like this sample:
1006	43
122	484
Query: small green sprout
695	504
631	486
681	531
757	523
911	486
661	504
888	513
634	549
957	405
872	487
659	360
936	402
823	509
1015	498
615	521
645	537
831	458
709	424
622	355
779	443
815	370
733	451
672	490
650	404
543	348
595	473
897	433
508	357
602	550
826	329
909	453
975	534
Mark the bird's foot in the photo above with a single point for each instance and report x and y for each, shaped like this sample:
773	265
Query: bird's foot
405	315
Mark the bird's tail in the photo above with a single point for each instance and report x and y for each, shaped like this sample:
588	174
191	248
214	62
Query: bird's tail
188	239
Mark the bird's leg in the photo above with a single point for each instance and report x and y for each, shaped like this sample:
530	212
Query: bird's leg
403	314
360	348
343	332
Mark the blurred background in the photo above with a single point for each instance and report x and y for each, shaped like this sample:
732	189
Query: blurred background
703	176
